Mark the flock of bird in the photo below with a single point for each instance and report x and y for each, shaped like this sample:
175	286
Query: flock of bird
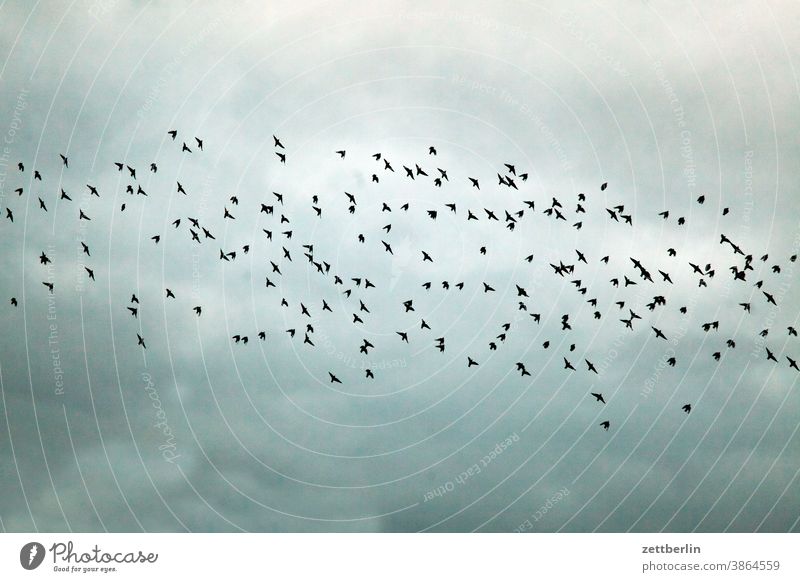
277	226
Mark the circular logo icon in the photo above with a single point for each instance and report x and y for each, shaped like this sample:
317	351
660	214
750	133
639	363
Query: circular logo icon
31	555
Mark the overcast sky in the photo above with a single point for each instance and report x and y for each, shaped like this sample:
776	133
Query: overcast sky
664	101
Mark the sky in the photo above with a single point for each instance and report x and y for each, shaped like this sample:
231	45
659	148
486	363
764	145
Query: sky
664	102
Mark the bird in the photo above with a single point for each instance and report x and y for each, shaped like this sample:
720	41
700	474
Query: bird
687	408
429	223
658	333
522	369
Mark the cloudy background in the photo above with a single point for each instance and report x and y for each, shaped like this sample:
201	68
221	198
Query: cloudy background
665	101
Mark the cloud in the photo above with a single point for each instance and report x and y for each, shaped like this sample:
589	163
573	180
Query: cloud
200	433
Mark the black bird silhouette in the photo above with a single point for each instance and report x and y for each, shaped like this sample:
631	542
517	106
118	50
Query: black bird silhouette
598	397
334	379
687	408
605	424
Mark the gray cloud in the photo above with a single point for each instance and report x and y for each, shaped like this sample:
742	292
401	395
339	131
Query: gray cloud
663	102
